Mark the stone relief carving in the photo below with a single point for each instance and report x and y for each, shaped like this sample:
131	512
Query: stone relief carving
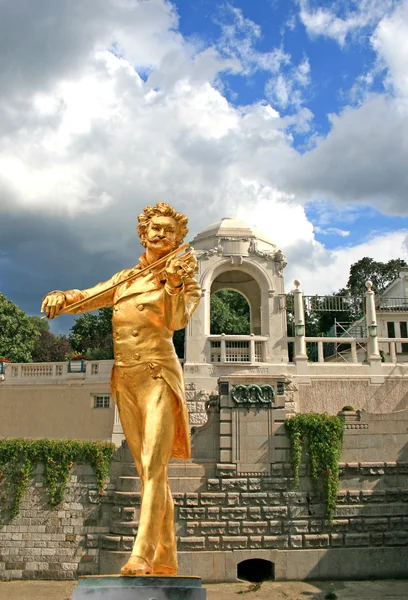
206	254
280	261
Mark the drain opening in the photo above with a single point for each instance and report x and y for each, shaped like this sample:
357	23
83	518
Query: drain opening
256	570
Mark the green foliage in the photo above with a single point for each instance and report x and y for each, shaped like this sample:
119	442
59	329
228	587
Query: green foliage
91	335
381	274
17	332
19	457
229	313
51	348
321	436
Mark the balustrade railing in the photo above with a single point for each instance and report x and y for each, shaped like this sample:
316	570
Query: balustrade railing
14	371
237	348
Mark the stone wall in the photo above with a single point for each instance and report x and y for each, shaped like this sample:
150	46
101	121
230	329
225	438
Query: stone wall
61	543
224	516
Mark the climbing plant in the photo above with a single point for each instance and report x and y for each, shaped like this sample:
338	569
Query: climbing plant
19	457
321	436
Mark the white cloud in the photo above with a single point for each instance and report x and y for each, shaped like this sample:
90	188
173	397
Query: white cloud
87	142
327	279
239	36
342	19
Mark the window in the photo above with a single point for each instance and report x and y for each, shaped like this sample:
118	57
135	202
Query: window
404	334
390	329
101	401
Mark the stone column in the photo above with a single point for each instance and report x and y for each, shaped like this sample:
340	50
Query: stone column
300	342
373	352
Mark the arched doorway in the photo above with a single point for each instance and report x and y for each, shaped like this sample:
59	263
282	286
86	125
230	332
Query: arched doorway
244	283
256	570
229	313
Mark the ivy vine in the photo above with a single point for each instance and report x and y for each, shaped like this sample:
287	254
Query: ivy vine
20	456
321	436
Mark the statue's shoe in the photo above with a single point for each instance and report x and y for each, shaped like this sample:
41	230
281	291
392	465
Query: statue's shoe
135	566
165	560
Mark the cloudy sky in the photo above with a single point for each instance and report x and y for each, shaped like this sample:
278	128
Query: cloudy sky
290	114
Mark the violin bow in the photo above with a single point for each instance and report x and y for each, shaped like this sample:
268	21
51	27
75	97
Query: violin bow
131	277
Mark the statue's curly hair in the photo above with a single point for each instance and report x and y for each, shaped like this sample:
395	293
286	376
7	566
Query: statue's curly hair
162	209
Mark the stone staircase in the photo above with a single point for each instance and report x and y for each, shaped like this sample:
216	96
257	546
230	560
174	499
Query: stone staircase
184	477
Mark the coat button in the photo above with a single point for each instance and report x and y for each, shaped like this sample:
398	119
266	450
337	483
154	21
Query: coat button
136	356
116	308
135	333
140	307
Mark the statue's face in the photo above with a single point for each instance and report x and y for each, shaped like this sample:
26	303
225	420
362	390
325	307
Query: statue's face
161	234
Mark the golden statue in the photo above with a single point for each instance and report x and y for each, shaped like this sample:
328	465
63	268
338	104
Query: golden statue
147	380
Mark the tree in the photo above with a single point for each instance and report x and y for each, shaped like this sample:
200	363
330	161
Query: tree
229	313
17	332
381	274
91	334
51	348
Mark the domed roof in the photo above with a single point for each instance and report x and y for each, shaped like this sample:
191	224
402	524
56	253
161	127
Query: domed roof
232	227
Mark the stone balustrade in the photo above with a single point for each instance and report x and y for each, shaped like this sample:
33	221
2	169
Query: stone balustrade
237	348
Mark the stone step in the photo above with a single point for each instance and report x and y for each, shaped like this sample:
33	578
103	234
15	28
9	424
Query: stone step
124	528
177	484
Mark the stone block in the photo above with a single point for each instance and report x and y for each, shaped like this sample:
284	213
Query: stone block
234	528
226	470
249	527
233	499
213	513
193	513
295	541
234	542
336	540
212	499
225	428
225	442
234	513
273	512
234	484
316	541
279	542
255	541
339	525
357	539
275	527
225	456
356	524
376	539
376	524
213	484
255	498
191	500
254	512
214	542
372	496
192	543
396	538
212	527
295	526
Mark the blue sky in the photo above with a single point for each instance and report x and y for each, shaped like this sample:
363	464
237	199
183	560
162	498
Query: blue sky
290	114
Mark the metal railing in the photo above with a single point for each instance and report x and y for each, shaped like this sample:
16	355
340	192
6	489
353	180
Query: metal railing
391	304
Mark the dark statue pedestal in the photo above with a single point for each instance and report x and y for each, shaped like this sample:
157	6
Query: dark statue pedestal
147	587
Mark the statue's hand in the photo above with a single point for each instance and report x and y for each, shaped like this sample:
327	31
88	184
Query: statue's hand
179	268
53	303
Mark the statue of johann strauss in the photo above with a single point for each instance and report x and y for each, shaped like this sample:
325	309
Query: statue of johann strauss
147	380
